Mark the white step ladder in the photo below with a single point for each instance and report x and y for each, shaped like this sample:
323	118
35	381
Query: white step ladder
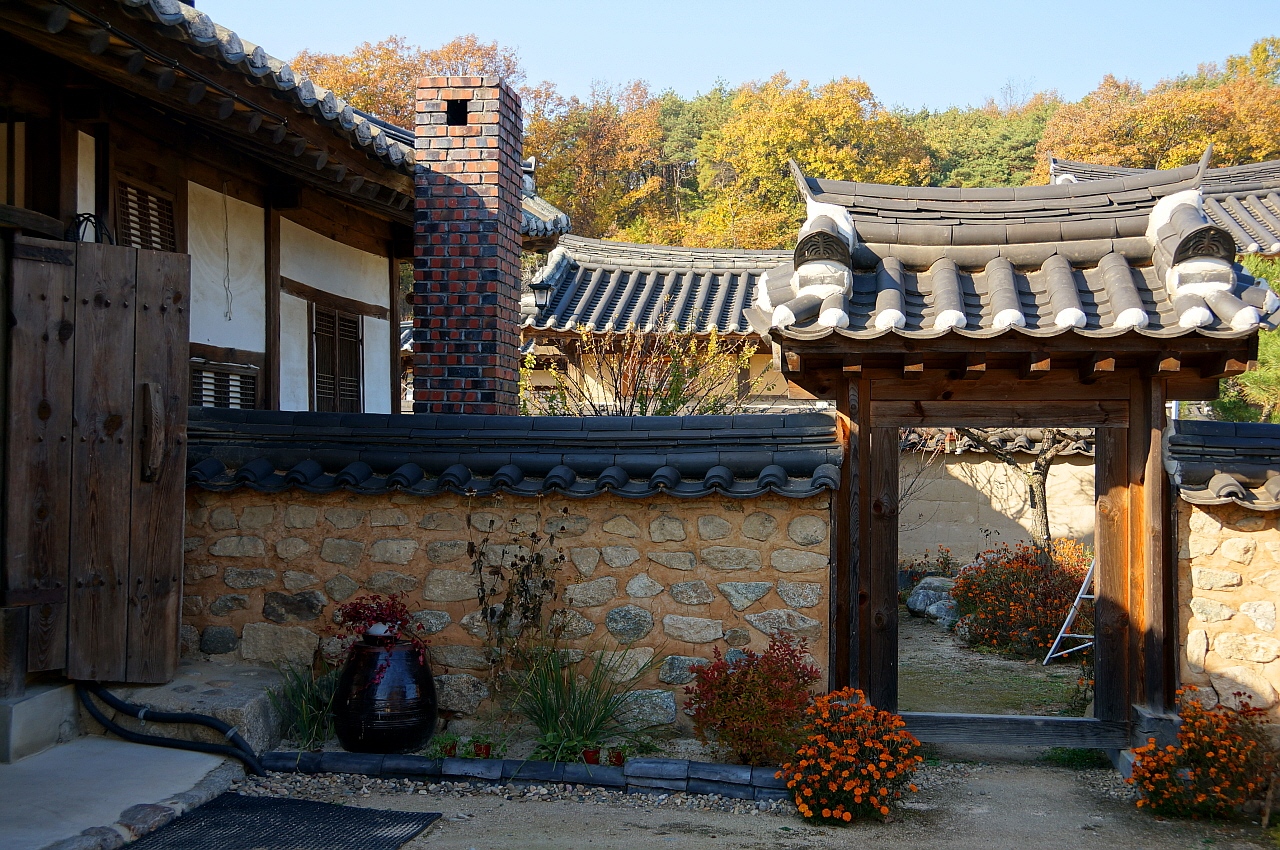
1086	592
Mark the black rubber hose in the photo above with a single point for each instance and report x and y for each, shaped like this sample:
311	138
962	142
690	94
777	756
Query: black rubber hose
222	727
250	760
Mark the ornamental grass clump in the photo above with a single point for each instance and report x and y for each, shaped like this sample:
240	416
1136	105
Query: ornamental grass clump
1223	759
1013	600
855	763
752	705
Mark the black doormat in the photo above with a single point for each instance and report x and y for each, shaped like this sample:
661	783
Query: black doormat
233	822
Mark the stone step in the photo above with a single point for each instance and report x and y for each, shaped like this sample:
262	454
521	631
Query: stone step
46	715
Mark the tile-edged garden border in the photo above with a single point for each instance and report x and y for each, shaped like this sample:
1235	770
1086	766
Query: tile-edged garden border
636	776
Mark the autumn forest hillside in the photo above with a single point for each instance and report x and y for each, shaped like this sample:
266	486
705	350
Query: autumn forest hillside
710	170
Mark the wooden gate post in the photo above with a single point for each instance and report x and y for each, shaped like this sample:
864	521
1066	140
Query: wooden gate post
1111	541
848	664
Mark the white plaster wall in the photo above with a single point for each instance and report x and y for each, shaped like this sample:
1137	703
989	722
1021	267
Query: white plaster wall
318	261
295	339
970	502
86	173
227	246
377	366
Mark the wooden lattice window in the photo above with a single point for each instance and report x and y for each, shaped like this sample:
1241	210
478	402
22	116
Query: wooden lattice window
223	385
338	361
144	219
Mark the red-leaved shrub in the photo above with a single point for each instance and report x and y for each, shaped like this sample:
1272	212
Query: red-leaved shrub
754	705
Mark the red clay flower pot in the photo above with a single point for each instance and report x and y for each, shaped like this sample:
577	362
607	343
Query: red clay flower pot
616	758
482	751
591	756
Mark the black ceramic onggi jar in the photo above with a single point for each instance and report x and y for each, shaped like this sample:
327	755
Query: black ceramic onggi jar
386	699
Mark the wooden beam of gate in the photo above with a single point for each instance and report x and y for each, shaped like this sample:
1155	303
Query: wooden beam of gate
1084	732
941	414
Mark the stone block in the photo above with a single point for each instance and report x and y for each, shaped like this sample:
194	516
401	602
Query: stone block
585	559
238	547
664	529
46	715
799	594
289	548
622	526
245	579
1204	524
486	522
1210	611
300	516
691	593
674	560
272	644
1269	580
192	606
1253	686
744	594
296	608
654	768
228	602
598	775
1197	648
569	625
620	557
340	587
188	640
1201	547
643	587
730	558
444	551
1250	523
522	524
759	526
449	586
145	818
1263	614
460	692
441	521
785	620
767	777
1238	549
487	769
628	623
1256	648
725	789
386	517
692	629
390	581
589	594
462	657
737	636
1207	579
218	640
257	516
222	519
712	527
295	580
678	669
798	561
646	709
623	665
807	530
430	622
566	526
191	544
339	550
392	551
344	517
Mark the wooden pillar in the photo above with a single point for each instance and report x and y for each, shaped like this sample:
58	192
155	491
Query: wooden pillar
271	362
396	300
847	662
880	603
1149	589
1111	541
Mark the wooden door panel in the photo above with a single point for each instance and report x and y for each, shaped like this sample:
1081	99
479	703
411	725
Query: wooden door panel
161	376
102	462
38	474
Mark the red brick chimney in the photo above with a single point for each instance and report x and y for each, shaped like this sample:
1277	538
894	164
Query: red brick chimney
467	247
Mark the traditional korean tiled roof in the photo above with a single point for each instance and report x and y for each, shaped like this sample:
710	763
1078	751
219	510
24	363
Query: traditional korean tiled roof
1242	199
197	32
603	286
538	217
1038	261
1020	440
1219	463
793	455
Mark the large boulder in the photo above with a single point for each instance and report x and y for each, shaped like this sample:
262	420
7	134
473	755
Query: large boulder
929	591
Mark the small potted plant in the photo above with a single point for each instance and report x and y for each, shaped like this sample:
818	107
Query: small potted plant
481	746
386	695
619	754
444	745
591	755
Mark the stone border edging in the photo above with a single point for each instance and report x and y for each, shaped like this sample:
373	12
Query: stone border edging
636	776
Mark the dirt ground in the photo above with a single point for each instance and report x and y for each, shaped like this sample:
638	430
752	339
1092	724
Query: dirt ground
936	672
1008	801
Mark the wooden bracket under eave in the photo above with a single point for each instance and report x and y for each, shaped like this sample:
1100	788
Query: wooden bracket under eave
1163	365
1035	366
1095	365
1225	366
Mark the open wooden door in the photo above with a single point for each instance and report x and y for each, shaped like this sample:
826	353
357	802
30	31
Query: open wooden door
97	395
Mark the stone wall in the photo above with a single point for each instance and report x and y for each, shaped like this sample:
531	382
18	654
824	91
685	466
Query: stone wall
1228	590
663	575
970	502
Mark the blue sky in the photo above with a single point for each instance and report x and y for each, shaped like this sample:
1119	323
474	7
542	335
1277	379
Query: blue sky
934	53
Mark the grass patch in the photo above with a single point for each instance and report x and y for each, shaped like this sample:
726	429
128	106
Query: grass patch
1076	758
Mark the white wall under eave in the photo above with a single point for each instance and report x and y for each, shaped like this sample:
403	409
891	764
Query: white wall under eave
295	362
320	262
377	366
226	240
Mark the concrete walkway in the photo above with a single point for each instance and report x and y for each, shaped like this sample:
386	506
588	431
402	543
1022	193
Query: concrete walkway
90	781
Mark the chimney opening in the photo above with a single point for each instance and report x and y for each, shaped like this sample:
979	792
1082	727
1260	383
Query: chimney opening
456	113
